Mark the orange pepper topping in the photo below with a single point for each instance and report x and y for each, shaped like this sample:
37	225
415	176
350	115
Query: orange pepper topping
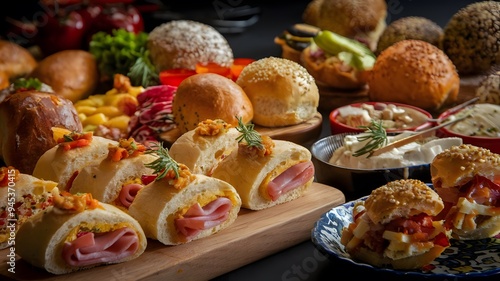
126	148
75	202
75	140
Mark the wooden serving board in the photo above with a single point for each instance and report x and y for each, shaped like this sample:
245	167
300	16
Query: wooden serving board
253	236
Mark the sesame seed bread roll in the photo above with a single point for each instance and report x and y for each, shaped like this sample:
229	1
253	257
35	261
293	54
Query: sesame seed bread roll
66	238
210	96
266	181
185	43
414	72
62	166
32	195
282	92
395	227
176	215
201	149
467	177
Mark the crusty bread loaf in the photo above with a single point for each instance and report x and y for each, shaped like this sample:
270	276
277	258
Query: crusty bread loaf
202	153
251	176
15	60
414	72
40	240
467	177
105	179
210	96
26	122
282	92
157	205
62	166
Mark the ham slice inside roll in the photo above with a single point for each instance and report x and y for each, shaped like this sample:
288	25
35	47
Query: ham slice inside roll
197	218
128	193
293	177
96	248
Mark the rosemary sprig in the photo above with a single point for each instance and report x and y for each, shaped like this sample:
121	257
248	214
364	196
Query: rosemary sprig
249	134
377	136
164	163
143	72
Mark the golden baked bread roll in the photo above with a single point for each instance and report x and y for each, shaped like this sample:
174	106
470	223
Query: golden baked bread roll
414	72
15	61
282	92
266	172
117	178
209	96
180	207
26	122
64	161
21	196
72	74
395	228
79	232
467	178
202	148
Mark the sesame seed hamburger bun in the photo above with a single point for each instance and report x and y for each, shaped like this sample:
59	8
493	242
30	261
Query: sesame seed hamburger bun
184	43
209	96
282	92
467	178
395	228
363	20
414	72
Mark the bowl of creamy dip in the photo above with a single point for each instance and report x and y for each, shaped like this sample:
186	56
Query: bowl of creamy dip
395	117
480	128
357	176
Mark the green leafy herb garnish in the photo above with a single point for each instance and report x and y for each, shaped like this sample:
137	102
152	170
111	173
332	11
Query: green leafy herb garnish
249	134
164	163
126	53
377	136
25	84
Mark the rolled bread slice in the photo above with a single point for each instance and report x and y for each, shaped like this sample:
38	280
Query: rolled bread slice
176	215
62	165
202	148
29	194
77	233
263	182
114	182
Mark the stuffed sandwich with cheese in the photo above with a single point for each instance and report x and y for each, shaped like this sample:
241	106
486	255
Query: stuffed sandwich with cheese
394	226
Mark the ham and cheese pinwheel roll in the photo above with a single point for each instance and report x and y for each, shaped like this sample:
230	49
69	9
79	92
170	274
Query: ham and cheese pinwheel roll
179	207
74	151
21	196
207	144
79	232
118	178
266	172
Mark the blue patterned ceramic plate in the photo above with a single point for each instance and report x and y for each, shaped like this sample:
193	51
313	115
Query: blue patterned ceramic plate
463	258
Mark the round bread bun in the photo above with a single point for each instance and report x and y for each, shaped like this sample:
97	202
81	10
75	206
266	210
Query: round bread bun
184	43
402	198
363	20
15	60
472	37
410	27
72	74
210	96
414	72
459	164
332	72
282	92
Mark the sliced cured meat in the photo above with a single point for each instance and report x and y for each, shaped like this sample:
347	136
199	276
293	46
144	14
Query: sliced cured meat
128	193
96	248
197	218
290	179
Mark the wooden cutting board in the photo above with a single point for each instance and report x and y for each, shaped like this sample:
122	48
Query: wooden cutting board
253	236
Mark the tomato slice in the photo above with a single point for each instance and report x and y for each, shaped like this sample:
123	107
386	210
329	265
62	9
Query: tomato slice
238	65
174	77
213	68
